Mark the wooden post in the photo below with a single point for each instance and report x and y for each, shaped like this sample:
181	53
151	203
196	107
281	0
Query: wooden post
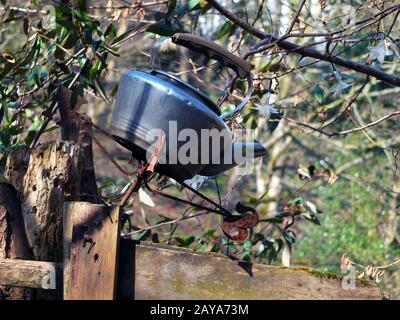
91	247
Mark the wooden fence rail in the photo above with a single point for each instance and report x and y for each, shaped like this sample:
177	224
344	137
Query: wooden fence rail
148	271
98	265
29	274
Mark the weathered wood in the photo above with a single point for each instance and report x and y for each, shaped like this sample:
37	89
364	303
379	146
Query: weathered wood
29	274
13	241
45	177
94	248
69	208
81	132
163	272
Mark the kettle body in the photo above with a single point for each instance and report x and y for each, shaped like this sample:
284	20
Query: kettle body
150	101
197	137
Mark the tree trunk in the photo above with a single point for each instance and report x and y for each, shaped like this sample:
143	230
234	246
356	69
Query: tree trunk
45	177
13	241
52	176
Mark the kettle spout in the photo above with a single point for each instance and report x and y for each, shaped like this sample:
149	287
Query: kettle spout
253	149
240	153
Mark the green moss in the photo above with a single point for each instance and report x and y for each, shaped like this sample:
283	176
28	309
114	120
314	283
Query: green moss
329	275
319	274
364	282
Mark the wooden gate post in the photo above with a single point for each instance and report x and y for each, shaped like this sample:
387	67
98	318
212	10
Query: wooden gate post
91	247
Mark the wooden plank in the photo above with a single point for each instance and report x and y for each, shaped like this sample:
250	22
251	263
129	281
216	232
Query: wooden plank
94	246
164	272
29	274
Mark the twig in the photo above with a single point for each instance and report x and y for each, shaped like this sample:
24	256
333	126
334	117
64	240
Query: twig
344	132
167	223
268	39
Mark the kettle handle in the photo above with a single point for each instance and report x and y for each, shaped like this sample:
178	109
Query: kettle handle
213	51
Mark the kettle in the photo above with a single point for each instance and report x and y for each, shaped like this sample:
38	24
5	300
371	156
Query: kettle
154	101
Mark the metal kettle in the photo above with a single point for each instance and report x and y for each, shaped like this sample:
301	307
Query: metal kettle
150	101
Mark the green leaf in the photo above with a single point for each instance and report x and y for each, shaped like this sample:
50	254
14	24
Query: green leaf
318	93
247	244
311	217
185	241
34	77
295	200
227	29
142	235
289	236
197	4
273	220
193	4
100	89
164	28
209	233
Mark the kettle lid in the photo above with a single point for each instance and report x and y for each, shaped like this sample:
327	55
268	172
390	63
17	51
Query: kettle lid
191	90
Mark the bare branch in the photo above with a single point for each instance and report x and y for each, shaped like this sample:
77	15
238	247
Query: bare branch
268	39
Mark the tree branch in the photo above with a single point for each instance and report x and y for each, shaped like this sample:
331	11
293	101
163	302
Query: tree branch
344	132
268	39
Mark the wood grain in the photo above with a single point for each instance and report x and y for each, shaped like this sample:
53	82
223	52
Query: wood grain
91	270
13	240
164	272
27	273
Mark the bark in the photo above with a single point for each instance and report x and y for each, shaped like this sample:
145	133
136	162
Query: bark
13	241
79	130
44	178
52	176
